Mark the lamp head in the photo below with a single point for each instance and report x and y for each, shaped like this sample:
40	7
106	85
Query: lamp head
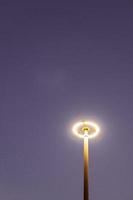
86	129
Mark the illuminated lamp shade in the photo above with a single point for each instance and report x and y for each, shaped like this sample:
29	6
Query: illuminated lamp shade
86	129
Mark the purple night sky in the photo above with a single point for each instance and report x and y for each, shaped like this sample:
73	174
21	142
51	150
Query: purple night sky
61	61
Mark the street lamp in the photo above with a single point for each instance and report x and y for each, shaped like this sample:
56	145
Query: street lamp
86	130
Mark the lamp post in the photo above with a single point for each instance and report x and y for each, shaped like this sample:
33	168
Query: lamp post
86	130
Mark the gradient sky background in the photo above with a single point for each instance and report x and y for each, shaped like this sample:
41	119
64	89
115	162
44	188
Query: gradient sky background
61	61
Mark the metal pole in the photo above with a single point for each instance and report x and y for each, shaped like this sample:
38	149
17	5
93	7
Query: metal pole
86	159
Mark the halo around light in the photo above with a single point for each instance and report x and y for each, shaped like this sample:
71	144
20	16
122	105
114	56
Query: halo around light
83	124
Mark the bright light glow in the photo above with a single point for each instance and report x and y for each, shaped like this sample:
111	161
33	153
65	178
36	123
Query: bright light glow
86	129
